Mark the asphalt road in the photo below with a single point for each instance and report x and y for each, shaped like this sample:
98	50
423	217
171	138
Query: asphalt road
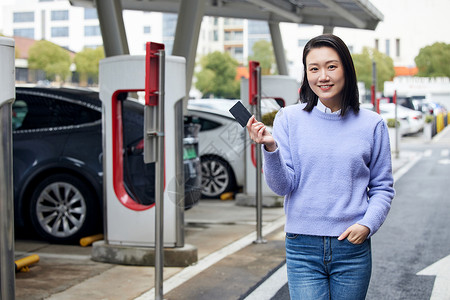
416	233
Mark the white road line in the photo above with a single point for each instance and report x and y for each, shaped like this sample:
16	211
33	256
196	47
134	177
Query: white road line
189	272
444	152
428	153
271	286
439	136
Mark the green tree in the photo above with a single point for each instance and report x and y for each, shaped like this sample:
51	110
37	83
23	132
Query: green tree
51	58
434	60
218	76
263	53
363	67
87	62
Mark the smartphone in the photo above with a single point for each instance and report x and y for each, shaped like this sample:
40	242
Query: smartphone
240	113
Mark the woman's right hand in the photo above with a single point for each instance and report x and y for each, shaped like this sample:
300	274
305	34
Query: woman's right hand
259	134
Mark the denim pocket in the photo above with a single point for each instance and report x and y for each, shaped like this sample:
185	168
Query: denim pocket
348	242
291	236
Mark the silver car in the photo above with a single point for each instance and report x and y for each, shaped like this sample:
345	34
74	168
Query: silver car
222	144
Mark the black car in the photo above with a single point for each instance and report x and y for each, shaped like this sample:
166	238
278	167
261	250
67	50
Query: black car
57	161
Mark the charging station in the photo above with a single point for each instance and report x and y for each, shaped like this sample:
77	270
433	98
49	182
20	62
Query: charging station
272	86
129	223
7	96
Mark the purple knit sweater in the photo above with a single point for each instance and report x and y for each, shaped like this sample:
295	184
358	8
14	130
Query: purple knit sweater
333	171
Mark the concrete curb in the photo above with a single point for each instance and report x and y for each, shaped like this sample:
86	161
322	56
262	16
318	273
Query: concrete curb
143	256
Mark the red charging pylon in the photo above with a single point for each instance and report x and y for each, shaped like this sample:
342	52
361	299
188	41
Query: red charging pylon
253	82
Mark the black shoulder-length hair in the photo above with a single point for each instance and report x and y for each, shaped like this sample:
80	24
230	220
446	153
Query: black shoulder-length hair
350	94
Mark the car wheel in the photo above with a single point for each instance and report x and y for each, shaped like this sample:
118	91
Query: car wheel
217	177
62	209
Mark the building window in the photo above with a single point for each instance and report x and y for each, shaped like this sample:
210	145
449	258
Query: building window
147	29
258	27
60	15
60	31
24	32
215	35
238	35
234	35
92	31
90	14
20	17
397	47
233	22
377	44
388	47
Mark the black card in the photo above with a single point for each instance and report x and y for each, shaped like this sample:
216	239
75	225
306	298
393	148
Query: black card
240	113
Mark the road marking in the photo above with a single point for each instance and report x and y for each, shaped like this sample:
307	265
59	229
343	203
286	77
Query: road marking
444	161
440	135
428	153
206	262
444	152
440	269
271	286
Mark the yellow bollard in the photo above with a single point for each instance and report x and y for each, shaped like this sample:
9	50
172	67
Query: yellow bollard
440	122
22	265
86	241
227	196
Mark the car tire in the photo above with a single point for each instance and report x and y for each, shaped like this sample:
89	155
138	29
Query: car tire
62	209
217	177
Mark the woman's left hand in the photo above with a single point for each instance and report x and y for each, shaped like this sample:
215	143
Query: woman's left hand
356	234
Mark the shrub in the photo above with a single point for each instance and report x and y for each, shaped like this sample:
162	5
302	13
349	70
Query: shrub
391	123
268	118
429	119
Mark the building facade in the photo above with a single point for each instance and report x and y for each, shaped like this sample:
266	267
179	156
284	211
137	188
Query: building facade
407	27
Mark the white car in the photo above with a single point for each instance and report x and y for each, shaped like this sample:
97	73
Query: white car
222	143
411	121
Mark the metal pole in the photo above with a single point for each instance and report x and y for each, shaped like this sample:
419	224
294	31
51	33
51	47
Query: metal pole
159	186
396	127
7	95
278	48
7	275
374	84
259	238
112	27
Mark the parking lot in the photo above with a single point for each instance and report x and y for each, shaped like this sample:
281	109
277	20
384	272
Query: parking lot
67	272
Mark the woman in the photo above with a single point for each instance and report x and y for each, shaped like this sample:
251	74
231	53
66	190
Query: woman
332	162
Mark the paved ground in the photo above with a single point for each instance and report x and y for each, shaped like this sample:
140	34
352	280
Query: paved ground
229	265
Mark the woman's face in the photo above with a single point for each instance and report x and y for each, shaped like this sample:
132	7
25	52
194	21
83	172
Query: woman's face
325	74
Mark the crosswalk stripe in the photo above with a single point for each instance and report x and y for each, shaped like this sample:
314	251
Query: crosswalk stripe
427	153
444	152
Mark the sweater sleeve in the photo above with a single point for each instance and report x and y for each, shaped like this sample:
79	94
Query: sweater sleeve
381	182
278	168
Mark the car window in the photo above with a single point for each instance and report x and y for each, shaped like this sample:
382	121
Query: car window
205	124
38	112
19	111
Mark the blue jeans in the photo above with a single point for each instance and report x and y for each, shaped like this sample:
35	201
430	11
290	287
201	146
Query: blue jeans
323	268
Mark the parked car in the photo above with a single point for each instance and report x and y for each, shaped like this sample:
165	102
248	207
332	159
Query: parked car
57	162
222	143
411	121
